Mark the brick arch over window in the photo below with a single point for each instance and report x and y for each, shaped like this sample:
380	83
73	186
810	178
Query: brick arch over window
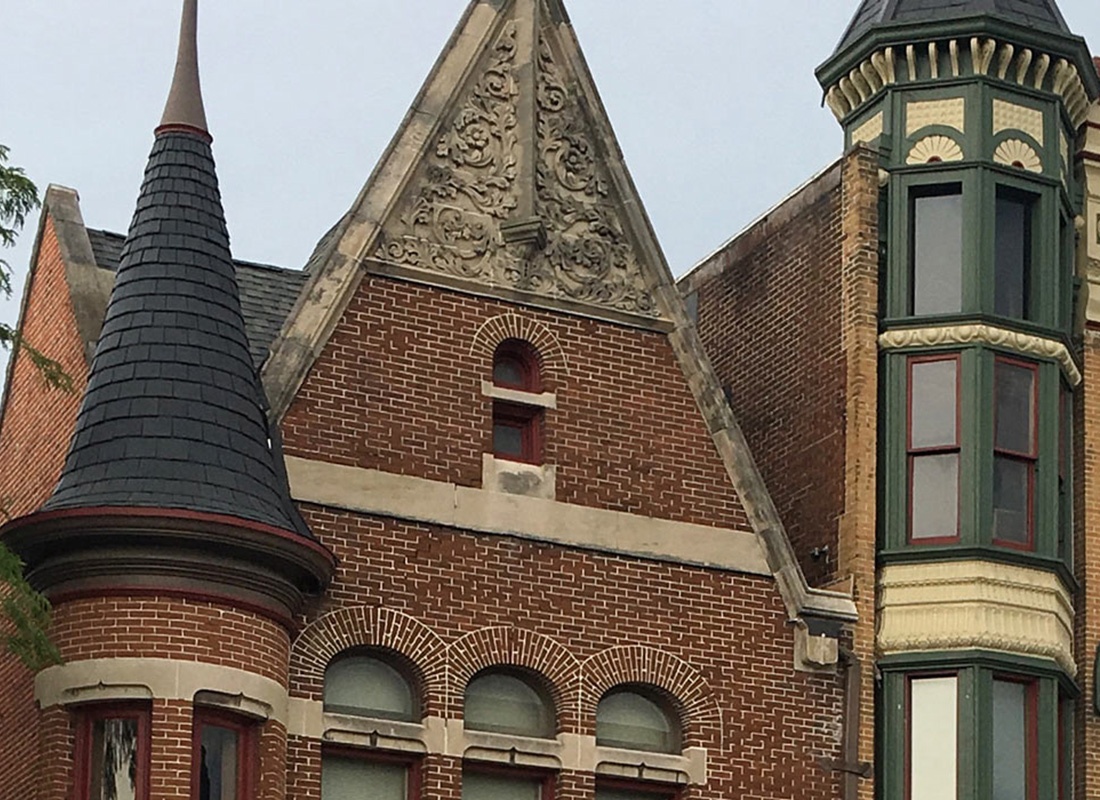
552	361
515	647
690	694
369	626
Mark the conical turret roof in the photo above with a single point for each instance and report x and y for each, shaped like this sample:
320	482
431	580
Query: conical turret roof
174	413
1043	14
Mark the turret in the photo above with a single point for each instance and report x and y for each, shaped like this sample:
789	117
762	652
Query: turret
171	549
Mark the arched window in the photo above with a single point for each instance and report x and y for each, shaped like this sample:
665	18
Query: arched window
631	718
517	427
366	685
502	702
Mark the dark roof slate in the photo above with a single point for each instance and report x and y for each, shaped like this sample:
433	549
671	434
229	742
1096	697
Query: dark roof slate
872	13
268	293
174	415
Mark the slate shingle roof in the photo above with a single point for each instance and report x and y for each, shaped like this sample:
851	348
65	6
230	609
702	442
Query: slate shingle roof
173	416
267	292
1033	13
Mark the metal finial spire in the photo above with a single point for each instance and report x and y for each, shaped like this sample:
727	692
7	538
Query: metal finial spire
184	107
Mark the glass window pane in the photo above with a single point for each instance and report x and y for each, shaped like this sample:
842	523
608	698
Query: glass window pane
1013	255
1015	408
933	738
934	399
631	720
476	786
1010	499
935	500
507	440
368	687
509	372
114	760
503	703
1010	756
218	766
937	254
352	779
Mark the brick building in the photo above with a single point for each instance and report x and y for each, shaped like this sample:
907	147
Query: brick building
481	503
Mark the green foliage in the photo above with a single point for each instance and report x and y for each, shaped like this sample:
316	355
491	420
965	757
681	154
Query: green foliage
24	613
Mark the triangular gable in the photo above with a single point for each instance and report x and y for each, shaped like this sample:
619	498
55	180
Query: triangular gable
506	181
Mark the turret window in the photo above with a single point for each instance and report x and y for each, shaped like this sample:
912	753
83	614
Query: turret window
1015	451
1012	265
112	753
933	448
936	250
1015	738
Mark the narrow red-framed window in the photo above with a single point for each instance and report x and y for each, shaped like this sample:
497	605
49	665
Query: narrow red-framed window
931	736
112	752
224	756
1015	761
346	772
932	447
490	782
1015	451
517	427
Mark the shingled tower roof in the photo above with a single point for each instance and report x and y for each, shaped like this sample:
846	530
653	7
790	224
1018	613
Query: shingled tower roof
1042	14
174	413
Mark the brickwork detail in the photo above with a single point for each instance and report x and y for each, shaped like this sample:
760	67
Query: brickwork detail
34	435
490	647
693	698
363	626
493	331
396	389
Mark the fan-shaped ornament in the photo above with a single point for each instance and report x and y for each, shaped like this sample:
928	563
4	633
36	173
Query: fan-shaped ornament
1015	153
935	149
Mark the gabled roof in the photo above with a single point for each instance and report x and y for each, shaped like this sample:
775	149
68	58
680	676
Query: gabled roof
1042	14
506	181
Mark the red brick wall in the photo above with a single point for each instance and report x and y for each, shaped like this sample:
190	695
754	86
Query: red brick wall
34	436
397	389
159	627
771	724
770	316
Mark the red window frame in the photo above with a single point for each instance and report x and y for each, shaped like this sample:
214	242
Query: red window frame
523	356
87	716
247	749
526	419
547	779
412	764
913	453
1031	732
909	721
1030	458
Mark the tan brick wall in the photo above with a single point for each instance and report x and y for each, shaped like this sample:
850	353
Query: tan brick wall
1087	551
397	389
770	317
34	436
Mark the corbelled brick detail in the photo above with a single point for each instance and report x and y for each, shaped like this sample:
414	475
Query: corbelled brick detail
396	389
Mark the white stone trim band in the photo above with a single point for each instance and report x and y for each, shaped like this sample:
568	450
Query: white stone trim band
118	679
438	503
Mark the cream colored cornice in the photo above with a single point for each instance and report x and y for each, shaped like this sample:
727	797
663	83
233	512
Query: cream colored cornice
1002	60
1025	343
964	605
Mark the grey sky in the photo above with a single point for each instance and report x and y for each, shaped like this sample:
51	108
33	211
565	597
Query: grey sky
714	103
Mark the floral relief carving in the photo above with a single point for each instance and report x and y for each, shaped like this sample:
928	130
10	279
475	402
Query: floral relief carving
471	184
588	253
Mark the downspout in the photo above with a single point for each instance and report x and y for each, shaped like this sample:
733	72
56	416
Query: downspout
850	764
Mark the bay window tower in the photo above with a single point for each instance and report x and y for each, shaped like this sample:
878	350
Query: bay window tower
974	108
